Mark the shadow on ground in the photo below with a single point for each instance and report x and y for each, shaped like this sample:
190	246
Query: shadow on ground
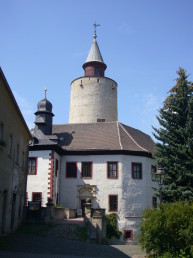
38	239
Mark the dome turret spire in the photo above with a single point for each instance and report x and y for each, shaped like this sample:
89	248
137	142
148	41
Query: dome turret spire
45	92
44	116
95	26
94	65
93	96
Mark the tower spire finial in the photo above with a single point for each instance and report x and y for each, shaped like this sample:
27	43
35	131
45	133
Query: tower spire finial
95	26
45	92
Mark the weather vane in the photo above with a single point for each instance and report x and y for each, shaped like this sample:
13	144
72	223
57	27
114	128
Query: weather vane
95	26
45	92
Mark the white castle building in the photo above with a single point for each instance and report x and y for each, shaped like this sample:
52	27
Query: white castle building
94	155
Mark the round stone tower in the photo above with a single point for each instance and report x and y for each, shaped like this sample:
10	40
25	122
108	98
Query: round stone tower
93	96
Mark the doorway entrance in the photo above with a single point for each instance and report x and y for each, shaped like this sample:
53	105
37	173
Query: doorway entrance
83	201
13	211
86	191
4	212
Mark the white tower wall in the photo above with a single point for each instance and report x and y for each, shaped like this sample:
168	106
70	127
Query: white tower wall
93	98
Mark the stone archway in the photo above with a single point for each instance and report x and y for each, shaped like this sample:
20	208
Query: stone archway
86	191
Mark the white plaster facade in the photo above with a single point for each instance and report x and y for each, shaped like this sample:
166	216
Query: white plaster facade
134	195
93	98
41	182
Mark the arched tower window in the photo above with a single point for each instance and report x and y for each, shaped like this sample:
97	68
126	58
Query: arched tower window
96	71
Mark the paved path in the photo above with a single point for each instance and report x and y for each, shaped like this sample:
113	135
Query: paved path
57	247
31	255
40	241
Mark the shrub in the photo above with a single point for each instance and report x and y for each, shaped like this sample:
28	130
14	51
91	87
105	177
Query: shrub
83	232
168	230
112	226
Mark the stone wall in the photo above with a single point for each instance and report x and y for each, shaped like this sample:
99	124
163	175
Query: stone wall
93	98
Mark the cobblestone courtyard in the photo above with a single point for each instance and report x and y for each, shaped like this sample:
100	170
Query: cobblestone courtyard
38	241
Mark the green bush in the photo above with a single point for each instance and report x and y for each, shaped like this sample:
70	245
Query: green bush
168	230
112	230
83	232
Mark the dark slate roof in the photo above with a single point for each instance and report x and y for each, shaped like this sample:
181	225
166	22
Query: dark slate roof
44	105
41	139
102	136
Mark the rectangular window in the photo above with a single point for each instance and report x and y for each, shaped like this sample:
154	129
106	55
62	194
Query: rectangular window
154	202
10	145
26	198
136	170
23	159
71	169
112	169
19	210
32	166
17	154
153	171
36	197
87	169
56	167
128	234
1	133
100	120
113	202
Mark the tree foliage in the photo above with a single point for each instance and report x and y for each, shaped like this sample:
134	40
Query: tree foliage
168	231
174	149
111	226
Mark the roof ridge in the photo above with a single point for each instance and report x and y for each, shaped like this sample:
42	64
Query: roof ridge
91	123
132	138
119	135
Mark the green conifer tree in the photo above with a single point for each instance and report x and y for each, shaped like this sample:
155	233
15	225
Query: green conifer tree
174	149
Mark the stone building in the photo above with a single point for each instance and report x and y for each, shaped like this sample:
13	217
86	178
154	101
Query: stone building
14	140
94	156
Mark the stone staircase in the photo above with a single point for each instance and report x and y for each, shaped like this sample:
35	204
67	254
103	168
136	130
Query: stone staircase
67	230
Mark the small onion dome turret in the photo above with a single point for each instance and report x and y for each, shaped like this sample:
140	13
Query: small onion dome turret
94	65
44	116
44	105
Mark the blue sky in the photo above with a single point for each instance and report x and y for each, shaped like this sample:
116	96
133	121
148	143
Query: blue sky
44	43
